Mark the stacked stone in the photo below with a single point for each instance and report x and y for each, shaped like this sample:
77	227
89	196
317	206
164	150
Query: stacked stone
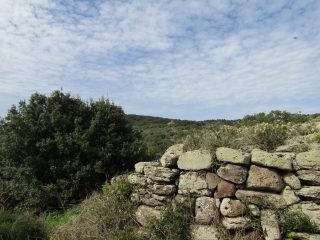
158	184
246	187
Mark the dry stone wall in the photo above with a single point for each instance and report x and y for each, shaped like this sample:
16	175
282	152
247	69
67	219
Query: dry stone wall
246	187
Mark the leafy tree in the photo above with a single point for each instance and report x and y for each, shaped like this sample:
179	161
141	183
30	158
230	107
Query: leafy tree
54	150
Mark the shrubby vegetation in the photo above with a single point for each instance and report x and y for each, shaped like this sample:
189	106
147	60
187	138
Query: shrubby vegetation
15	226
55	150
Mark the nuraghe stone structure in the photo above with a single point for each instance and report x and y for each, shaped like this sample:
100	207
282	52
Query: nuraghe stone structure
232	196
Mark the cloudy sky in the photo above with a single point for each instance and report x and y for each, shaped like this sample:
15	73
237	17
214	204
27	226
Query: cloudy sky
195	59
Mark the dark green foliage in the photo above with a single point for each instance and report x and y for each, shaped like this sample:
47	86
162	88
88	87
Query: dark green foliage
174	224
275	116
20	227
292	221
55	150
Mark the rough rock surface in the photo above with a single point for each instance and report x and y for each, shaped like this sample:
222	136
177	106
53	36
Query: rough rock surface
206	211
262	198
171	155
236	223
204	232
161	189
293	147
139	167
193	183
261	178
225	189
137	178
232	208
305	236
289	196
161	174
292	181
310	177
195	160
148	198
308	160
310	192
311	209
145	213
278	160
270	225
254	210
233	173
232	156
212	180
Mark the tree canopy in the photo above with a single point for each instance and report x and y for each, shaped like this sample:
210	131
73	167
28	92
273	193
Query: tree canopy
54	150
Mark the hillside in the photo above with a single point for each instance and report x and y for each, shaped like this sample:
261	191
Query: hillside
160	133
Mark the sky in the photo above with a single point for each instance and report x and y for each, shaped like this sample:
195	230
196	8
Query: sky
195	59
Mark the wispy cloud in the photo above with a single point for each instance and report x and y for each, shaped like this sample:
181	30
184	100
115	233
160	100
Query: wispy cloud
185	59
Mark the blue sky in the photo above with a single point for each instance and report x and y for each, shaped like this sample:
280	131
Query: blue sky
196	59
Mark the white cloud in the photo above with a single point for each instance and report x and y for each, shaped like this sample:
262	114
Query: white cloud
158	57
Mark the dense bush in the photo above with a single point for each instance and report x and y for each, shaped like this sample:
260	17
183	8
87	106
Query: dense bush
57	149
20	227
109	215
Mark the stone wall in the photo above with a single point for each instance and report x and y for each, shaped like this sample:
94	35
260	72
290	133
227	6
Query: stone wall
246	187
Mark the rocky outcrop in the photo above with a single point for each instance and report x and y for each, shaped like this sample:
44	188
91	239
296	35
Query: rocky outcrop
232	156
195	160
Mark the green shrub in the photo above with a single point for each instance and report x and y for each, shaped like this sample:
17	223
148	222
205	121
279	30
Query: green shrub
20	227
174	224
55	150
292	221
102	216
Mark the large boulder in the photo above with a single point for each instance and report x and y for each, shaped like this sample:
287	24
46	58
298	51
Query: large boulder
310	177
233	173
262	198
261	178
308	160
309	192
225	189
278	160
144	214
193	183
139	167
270	225
236	223
195	160
206	211
310	209
212	180
232	156
232	208
292	181
161	174
171	155
204	232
